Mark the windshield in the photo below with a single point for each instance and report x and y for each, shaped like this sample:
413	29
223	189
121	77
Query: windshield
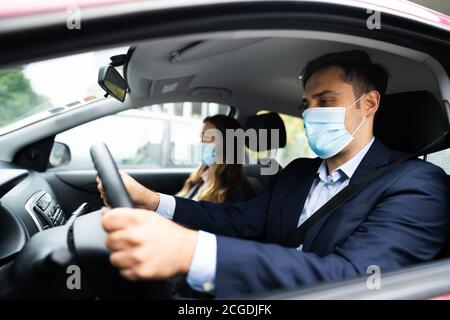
38	90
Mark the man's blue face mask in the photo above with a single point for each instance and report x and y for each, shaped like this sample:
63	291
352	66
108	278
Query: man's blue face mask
325	130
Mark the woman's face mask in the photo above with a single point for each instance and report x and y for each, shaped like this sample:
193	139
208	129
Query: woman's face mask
325	130
207	149
208	153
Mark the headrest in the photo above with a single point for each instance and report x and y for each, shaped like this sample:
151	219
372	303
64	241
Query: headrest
409	121
269	121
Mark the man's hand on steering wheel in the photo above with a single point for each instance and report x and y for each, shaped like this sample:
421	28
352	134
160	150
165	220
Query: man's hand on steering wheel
146	246
143	245
142	197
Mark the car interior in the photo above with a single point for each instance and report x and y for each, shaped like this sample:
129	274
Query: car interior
247	70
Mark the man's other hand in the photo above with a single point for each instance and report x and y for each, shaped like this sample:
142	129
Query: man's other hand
141	196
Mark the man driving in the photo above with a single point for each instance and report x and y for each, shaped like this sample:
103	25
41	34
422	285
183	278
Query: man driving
231	250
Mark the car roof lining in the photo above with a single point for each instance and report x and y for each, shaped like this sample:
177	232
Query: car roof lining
433	75
259	68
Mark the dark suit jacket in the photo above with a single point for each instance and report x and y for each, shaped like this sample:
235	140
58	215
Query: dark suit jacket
399	219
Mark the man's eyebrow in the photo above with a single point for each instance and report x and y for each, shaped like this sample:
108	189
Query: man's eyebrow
319	95
322	93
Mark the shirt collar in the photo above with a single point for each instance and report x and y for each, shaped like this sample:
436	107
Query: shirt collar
347	169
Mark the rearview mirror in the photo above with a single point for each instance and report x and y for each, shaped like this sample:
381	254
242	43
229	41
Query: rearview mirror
59	155
112	82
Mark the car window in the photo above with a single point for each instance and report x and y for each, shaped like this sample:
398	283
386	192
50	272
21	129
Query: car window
157	136
296	142
441	159
39	90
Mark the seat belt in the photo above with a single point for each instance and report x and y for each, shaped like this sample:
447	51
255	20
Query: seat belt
193	191
298	236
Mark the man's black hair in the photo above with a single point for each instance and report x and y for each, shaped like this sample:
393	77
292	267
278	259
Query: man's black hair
358	70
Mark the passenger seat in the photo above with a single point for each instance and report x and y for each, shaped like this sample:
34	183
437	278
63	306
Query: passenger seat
261	182
408	121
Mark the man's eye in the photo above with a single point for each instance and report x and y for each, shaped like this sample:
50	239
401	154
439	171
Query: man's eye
325	102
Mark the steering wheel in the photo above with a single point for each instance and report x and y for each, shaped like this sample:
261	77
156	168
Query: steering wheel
47	254
89	238
106	168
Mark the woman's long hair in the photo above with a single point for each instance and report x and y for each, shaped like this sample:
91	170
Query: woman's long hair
221	177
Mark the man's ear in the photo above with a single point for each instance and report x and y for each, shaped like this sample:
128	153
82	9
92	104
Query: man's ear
371	103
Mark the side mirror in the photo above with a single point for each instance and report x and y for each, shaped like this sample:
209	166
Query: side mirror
112	82
60	154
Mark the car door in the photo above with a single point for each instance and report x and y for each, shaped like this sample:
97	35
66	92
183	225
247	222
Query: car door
155	145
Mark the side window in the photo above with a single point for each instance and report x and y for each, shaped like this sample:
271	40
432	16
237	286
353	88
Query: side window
441	159
296	142
157	136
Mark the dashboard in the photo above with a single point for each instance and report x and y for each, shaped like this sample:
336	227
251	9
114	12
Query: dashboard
27	205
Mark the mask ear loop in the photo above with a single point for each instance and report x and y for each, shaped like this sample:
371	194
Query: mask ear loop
364	119
360	125
355	102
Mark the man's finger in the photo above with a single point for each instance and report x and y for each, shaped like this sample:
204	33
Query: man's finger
120	218
129	274
100	187
122	259
105	201
121	240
